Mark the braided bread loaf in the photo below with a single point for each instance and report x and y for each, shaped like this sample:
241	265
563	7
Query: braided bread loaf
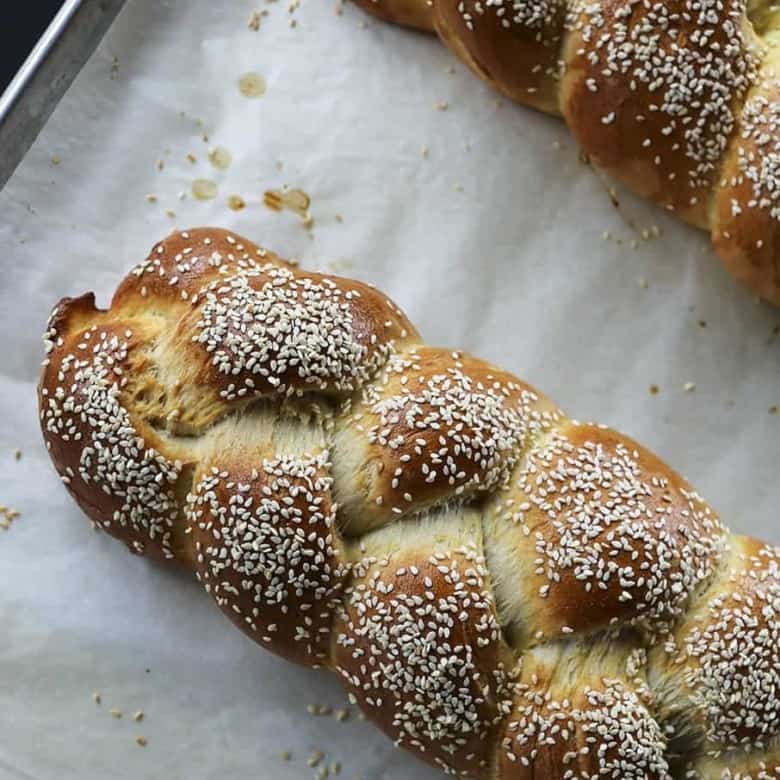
506	592
678	99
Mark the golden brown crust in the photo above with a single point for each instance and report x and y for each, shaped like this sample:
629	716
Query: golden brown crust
409	13
514	535
607	533
126	486
271	330
632	70
577	716
181	264
746	213
437	424
722	665
283	572
522	60
417	615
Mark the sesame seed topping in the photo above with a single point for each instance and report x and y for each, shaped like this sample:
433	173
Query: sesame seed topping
440	681
736	653
265	549
86	408
287	329
619	737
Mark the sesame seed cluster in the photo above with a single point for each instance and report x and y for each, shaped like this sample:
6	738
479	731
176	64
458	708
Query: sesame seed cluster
504	591
134	484
678	99
610	721
420	649
729	649
616	528
263	325
267	552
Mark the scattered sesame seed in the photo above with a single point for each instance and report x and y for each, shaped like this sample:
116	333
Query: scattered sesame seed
315	758
319	709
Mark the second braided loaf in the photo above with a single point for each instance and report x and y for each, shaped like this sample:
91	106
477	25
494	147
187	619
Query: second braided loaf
678	99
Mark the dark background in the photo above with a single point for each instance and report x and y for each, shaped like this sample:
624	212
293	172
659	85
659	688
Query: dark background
21	30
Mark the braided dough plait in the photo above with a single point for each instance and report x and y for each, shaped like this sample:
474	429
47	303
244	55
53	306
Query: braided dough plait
678	99
506	592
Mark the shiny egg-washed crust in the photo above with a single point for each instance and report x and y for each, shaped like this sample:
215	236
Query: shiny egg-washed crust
678	99
410	13
507	593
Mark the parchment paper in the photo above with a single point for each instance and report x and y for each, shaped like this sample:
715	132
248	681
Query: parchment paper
493	242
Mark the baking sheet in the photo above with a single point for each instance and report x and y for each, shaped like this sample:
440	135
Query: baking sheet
499	240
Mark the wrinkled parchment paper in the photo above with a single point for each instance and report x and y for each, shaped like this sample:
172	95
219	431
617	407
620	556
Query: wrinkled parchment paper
478	217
